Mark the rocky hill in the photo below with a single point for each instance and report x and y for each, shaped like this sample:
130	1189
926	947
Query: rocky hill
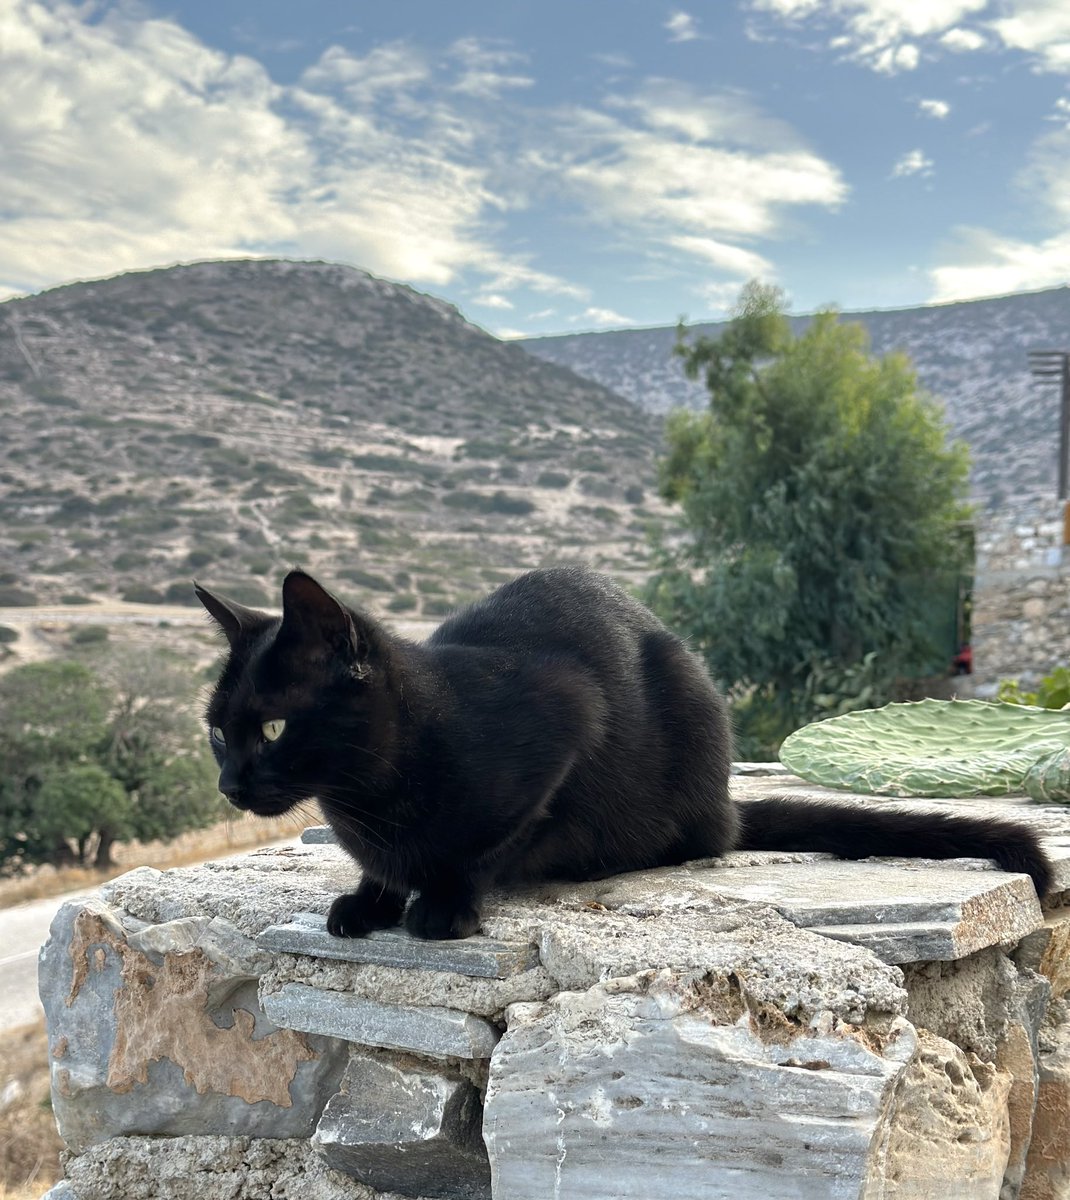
230	419
972	356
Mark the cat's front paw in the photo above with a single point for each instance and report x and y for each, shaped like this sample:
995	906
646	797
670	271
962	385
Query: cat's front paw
437	920
358	913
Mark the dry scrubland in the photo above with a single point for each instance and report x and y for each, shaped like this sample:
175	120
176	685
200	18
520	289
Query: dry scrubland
29	1143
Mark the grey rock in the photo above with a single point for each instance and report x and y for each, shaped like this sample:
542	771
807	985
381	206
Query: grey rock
318	835
481	956
400	1126
902	914
168	1043
439	1032
788	969
663	1086
209	1168
61	1191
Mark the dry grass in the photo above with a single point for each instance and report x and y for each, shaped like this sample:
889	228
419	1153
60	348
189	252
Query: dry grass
228	836
29	1143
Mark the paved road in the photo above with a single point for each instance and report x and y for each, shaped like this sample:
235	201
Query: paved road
23	930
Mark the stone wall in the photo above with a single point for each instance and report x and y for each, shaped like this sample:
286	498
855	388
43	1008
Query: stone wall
763	1027
1021	614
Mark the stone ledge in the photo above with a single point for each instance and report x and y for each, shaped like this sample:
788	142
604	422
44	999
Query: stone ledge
479	956
729	1020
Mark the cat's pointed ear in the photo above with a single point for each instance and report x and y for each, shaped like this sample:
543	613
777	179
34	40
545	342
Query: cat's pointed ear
234	619
310	614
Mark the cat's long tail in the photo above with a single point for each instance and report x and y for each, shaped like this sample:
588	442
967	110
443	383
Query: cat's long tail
858	831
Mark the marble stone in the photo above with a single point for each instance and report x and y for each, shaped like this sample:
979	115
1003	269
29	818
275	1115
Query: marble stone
439	1032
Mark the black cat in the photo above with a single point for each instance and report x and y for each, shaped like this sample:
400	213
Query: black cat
554	730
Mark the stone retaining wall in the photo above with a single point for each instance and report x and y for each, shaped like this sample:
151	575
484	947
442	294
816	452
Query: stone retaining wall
1021	615
765	1026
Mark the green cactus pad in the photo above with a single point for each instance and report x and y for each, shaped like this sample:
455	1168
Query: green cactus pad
938	748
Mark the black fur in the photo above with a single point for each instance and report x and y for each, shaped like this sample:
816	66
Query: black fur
554	730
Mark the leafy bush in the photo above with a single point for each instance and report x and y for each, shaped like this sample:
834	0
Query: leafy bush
89	635
12	596
141	593
366	579
497	502
1053	691
553	479
8	635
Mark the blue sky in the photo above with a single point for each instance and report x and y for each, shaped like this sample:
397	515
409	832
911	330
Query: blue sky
546	166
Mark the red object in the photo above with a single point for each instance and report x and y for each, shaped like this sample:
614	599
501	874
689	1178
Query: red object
962	663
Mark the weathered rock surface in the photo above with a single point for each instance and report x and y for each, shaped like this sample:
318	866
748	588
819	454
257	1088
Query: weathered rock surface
408	1127
662	1085
949	1122
209	1168
159	1031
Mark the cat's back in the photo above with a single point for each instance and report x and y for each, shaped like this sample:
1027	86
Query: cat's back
566	608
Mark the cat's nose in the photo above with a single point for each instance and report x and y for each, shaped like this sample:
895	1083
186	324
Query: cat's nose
230	787
235	795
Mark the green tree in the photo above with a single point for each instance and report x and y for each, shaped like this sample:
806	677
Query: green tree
819	499
95	758
53	716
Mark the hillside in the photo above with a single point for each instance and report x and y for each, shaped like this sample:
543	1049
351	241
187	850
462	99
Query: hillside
971	356
230	419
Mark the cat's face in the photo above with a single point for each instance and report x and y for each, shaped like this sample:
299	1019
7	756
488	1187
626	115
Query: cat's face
291	710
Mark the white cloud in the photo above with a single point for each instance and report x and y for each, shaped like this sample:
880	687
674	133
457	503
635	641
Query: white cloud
889	35
733	259
682	27
600	316
1041	27
963	41
673	162
992	265
914	162
882	34
488	69
144	146
934	108
493	300
984	262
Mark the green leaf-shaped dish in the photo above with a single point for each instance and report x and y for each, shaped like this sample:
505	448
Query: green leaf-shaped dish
938	748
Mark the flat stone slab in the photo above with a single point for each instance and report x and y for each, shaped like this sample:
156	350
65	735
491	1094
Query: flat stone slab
902	914
439	1032
478	956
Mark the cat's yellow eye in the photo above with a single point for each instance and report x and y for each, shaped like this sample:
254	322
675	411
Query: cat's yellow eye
272	730
216	734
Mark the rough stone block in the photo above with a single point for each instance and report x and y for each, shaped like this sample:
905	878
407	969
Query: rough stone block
209	1168
167	1040
662	1087
478	956
439	1032
949	1134
402	1126
1047	1175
